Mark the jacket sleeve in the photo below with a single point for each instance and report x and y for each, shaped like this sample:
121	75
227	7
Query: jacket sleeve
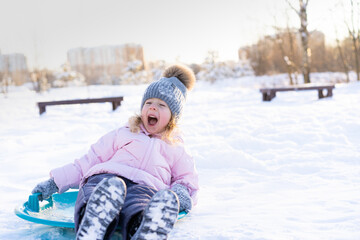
184	172
70	175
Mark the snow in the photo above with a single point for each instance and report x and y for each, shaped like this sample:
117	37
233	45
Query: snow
285	169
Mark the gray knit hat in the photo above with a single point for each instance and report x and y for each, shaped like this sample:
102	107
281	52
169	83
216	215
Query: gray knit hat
172	88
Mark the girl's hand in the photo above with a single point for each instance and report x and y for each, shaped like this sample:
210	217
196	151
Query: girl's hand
46	188
185	201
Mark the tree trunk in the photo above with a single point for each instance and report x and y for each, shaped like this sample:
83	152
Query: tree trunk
356	54
292	54
304	41
355	35
285	58
343	61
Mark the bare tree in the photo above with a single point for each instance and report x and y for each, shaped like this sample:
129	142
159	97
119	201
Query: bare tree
343	60
5	81
286	59
288	55
302	13
5	77
292	44
355	38
260	56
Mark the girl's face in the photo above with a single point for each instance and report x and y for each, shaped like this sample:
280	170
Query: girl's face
155	115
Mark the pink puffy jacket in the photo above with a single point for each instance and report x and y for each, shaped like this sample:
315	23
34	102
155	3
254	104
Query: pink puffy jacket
135	156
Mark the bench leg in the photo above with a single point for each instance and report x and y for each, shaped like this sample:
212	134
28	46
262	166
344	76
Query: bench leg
321	95
268	96
272	95
115	105
328	94
264	96
42	109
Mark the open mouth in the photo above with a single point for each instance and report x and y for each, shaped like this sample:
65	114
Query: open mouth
152	120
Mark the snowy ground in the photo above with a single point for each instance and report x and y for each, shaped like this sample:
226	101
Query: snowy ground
285	169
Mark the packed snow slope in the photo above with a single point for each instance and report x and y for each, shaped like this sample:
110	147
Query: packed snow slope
285	169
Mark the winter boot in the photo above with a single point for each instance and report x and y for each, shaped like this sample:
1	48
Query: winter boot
159	216
103	206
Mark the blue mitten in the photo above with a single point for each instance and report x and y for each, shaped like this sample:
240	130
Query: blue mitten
46	188
185	200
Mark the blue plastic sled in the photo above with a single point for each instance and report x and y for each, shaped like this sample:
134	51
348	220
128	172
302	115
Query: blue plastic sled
56	211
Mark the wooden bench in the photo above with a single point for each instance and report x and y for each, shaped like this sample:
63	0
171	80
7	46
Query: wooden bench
116	102
323	90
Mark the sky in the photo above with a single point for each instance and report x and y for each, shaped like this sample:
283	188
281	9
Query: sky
170	30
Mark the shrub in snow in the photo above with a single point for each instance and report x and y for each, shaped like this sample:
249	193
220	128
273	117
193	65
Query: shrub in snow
223	70
134	73
68	78
134	78
156	68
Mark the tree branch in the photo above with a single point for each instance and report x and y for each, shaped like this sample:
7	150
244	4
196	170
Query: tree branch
297	12
306	3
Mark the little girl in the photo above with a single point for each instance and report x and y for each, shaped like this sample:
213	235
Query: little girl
138	176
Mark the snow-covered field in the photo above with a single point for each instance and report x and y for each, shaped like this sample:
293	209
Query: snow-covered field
285	169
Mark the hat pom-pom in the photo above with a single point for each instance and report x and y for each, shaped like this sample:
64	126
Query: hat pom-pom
183	73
